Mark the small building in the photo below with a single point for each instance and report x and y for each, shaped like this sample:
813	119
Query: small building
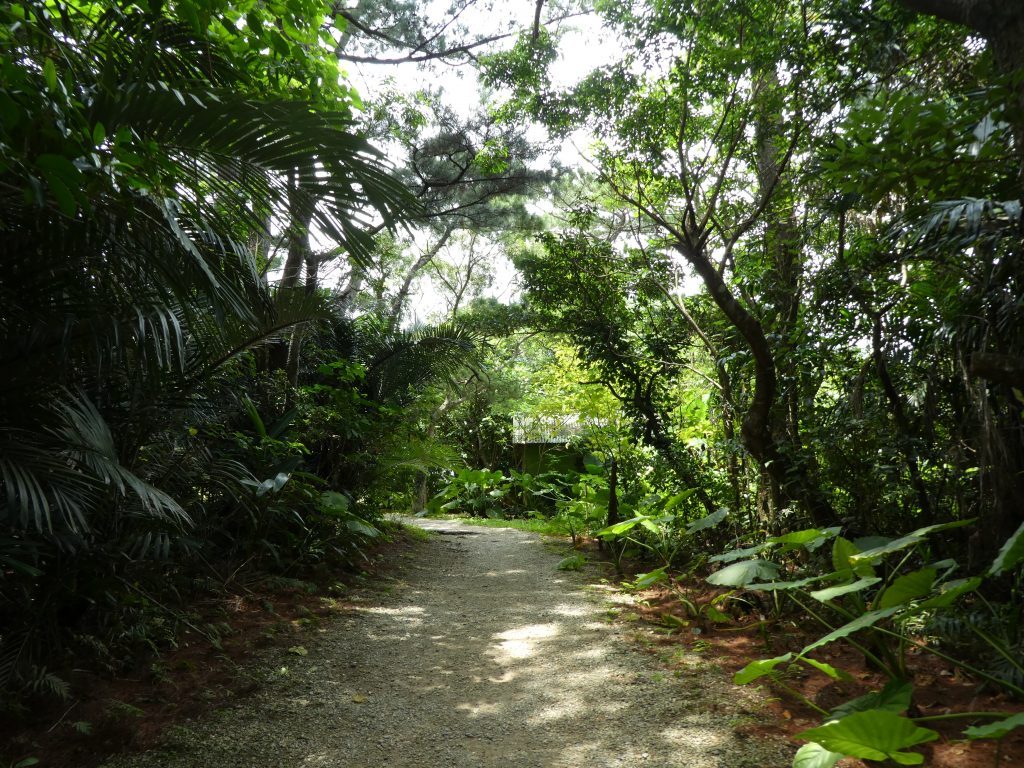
542	443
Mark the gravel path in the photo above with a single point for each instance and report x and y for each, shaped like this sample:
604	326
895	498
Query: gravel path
482	655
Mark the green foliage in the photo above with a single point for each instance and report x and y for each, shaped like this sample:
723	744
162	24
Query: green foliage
1011	554
151	448
872	735
476	492
660	526
996	730
875	611
572	563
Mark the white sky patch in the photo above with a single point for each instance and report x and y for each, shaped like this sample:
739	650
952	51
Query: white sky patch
584	45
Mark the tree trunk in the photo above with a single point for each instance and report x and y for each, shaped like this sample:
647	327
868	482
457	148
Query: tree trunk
1001	23
899	416
299	254
755	430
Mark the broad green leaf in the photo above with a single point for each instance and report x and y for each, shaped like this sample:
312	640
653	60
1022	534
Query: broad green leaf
827	669
842	551
831	593
333	502
996	730
810	538
737	554
50	74
950	591
572	563
872	735
894	697
863	621
1010	554
650	525
903	542
773	586
758	669
870	555
708	521
741	574
359	526
649	579
908	587
61	193
930	529
864	543
814	755
678	499
620	528
717	616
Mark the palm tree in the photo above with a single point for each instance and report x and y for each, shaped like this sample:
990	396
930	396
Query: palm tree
137	161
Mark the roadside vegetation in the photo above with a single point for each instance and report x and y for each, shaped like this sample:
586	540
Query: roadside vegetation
766	347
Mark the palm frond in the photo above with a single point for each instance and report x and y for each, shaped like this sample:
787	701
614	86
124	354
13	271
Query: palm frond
398	363
54	479
962	223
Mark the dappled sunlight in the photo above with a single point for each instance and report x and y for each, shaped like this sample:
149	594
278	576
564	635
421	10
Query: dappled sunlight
520	643
570	610
698	737
494	666
480	708
411	614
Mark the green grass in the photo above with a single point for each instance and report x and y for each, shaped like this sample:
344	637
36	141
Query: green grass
415	532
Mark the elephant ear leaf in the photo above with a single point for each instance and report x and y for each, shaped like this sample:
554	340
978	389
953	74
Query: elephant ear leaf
895	697
814	755
759	668
872	735
996	730
908	587
1011	554
863	621
743	573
